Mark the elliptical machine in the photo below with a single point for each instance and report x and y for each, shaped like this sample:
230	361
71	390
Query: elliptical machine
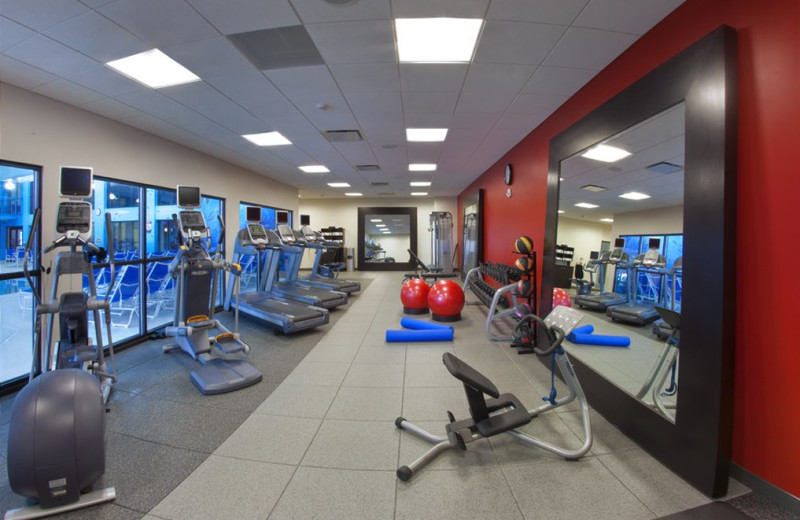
196	299
56	438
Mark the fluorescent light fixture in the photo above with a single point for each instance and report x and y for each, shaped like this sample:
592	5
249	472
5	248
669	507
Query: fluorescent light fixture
605	153
606	220
386	232
314	168
634	195
586	205
419	193
339	184
380	225
421	167
436	40
420	183
561	211
354	194
426	135
154	69
376	220
267	139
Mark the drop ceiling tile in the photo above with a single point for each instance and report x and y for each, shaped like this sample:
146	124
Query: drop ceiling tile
41	14
46	54
210	58
22	75
354	42
558	80
236	16
366	77
303	82
231	116
485	102
191	94
428	9
317	11
439	102
371	105
112	109
497	77
160	23
336	116
68	92
561	12
273	112
356	153
11	33
432	77
625	16
107	81
588	48
427	119
251	86
517	43
97	37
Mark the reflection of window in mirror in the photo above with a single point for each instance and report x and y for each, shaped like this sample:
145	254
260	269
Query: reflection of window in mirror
629	186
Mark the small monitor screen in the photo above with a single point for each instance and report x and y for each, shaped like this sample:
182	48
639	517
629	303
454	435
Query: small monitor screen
305	220
282	217
253	214
76	182
192	220
188	197
619	243
654	243
285	231
257	232
594	255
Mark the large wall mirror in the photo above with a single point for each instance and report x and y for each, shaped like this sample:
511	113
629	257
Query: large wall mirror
678	126
385	234
472	233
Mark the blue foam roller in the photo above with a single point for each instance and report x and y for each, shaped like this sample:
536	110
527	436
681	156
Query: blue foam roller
411	323
583	329
601	340
410	336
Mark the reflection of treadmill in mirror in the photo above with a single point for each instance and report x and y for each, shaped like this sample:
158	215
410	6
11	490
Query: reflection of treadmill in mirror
314	240
641	308
603	300
661	328
288	317
287	288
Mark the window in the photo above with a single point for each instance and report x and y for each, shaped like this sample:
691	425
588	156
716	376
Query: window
653	287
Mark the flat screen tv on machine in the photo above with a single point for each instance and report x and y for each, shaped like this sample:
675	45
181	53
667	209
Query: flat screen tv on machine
305	220
76	182
654	243
252	214
188	197
619	243
282	217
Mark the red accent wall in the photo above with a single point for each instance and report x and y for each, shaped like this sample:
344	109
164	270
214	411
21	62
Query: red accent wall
766	430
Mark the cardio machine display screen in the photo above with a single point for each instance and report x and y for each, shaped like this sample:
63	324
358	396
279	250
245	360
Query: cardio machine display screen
74	217
285	232
192	220
257	232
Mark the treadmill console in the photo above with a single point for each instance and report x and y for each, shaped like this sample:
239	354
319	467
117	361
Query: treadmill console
258	235
193	225
286	233
74	220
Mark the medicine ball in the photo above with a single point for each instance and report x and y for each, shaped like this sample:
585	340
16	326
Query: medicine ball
524	288
524	245
523	264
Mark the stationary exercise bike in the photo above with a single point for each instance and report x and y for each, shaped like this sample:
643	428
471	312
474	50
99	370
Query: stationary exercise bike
504	413
56	437
196	295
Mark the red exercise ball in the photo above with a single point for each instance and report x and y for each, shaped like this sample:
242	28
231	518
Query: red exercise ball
446	300
560	297
414	296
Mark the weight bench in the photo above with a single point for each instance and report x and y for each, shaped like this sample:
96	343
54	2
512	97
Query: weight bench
428	273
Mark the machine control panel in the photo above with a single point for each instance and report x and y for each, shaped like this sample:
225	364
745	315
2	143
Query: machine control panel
193	225
258	235
74	220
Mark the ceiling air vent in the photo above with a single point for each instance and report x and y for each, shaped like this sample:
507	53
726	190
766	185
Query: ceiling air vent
368	167
665	167
593	188
384	194
278	48
378	183
343	136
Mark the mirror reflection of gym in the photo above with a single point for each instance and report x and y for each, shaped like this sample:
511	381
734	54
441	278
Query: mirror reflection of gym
620	235
386	238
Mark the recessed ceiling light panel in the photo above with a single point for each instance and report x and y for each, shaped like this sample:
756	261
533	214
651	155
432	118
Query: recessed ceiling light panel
421	167
154	69
419	193
436	40
314	168
339	184
267	139
606	220
586	205
605	153
420	183
593	188
634	195
354	194
426	135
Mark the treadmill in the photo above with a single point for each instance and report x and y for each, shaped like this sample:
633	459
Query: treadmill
639	311
311	239
287	317
602	301
289	289
662	328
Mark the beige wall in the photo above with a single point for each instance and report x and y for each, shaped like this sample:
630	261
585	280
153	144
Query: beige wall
38	130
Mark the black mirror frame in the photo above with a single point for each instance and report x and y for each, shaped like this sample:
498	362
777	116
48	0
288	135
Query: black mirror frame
476	199
408	265
697	446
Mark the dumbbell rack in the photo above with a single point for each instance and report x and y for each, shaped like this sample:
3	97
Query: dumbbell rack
532	301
